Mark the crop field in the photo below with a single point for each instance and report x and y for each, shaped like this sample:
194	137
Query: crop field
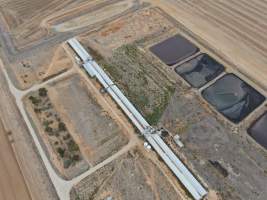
12	182
33	22
103	13
22	18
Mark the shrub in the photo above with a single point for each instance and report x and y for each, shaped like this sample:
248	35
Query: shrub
66	137
61	126
61	152
42	92
72	146
34	100
48	129
37	110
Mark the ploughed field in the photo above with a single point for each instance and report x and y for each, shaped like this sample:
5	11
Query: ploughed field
12	182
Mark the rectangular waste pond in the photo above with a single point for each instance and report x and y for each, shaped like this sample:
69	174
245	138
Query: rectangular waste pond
233	97
174	49
200	70
258	130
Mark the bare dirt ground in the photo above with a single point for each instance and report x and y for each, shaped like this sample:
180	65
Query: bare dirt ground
96	131
106	12
127	29
40	66
35	174
223	155
58	141
133	177
12	184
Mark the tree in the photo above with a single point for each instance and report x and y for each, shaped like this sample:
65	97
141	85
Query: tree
49	130
37	110
62	126
61	152
34	100
42	92
73	146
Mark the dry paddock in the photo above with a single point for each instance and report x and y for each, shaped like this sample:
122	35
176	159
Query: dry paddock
12	184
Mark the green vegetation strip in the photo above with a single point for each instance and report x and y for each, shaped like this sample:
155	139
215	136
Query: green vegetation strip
140	79
59	137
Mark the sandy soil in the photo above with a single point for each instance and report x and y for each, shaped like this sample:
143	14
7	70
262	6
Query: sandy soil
96	131
94	17
39	66
127	29
25	25
49	114
12	184
36	176
133	177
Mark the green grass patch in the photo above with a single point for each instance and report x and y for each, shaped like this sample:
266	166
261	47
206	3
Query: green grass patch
140	79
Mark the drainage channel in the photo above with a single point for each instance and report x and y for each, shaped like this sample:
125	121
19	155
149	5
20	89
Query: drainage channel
177	167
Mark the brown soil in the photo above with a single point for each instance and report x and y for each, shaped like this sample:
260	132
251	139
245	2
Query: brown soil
12	184
62	149
127	29
40	66
96	131
133	177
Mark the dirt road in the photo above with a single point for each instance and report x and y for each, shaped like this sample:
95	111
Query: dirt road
12	184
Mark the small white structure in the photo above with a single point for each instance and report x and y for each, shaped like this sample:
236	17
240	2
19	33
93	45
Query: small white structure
147	146
178	141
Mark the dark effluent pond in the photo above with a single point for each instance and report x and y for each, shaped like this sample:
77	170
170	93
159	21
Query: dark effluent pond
174	49
233	97
258	130
200	70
